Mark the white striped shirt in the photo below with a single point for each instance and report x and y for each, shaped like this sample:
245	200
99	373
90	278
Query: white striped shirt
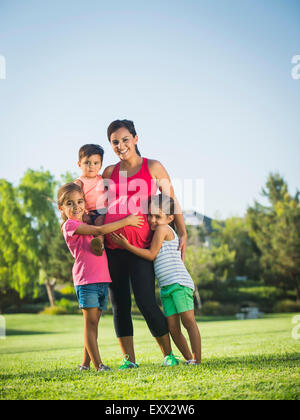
169	267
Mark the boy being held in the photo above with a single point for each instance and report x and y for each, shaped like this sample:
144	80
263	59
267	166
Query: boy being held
90	162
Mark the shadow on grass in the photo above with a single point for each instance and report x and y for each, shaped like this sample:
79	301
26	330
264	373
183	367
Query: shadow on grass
199	318
43	350
254	362
11	332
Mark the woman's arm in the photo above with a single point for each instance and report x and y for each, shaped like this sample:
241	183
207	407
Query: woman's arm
148	254
132	220
108	172
159	173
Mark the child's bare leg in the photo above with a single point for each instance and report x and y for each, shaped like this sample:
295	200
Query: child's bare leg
86	358
97	243
189	322
91	321
178	337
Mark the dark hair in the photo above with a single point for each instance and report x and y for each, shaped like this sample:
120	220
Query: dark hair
165	203
63	194
90	149
115	125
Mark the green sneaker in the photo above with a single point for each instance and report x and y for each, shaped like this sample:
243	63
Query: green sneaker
127	364
171	360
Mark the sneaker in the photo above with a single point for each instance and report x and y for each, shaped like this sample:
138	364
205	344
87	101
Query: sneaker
171	360
127	364
191	362
97	246
80	367
103	368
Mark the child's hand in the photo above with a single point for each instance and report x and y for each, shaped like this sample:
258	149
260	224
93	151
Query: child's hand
135	220
119	240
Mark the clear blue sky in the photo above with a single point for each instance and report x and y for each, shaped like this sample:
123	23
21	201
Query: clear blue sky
207	83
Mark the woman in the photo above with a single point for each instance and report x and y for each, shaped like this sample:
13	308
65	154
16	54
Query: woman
130	183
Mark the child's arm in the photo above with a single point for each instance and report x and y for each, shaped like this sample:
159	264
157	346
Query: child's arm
148	254
132	220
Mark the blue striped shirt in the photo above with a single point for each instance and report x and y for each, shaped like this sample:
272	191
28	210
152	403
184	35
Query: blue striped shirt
169	267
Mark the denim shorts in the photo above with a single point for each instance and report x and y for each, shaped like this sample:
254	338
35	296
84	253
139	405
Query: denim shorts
98	212
94	295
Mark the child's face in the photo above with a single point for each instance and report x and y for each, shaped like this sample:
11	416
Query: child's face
90	166
74	206
157	218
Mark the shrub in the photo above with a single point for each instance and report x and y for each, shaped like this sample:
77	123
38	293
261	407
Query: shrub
68	290
229	309
287	306
71	307
54	310
211	308
216	308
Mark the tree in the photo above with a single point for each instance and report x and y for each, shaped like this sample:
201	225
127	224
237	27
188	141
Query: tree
234	232
19	260
210	267
36	190
276	232
286	243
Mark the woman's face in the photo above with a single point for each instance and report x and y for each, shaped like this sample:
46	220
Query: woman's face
123	143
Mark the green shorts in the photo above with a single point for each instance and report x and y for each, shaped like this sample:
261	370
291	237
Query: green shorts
176	299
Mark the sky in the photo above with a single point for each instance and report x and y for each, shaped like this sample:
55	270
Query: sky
208	85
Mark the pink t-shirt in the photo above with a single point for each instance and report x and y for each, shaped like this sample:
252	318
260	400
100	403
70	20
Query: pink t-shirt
88	268
128	195
94	192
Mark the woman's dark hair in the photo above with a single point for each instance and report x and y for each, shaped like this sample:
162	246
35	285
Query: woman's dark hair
90	149
115	125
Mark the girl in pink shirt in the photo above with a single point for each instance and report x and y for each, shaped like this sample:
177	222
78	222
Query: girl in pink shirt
90	272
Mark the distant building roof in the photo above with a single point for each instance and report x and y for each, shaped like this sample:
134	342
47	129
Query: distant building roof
193	218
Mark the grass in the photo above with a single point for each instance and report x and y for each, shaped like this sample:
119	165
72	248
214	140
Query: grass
250	359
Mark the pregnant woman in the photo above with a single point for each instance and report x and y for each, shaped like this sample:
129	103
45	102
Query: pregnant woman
130	183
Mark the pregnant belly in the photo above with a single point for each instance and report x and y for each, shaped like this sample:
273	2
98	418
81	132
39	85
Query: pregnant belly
139	237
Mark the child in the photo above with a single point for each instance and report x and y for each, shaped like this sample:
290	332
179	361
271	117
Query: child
177	287
90	162
90	273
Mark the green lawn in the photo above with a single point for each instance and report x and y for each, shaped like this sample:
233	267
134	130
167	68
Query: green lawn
252	359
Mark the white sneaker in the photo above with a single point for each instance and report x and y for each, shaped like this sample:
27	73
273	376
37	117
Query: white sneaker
103	368
80	367
191	362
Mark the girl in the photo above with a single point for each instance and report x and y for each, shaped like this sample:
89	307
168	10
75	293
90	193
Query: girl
90	273
130	184
177	287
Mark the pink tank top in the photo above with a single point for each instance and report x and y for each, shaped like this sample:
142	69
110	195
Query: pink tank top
128	195
94	193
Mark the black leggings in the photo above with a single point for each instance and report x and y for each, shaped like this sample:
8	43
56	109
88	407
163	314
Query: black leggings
123	267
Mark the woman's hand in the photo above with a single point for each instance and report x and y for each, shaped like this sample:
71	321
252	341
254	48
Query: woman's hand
135	220
182	245
119	240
